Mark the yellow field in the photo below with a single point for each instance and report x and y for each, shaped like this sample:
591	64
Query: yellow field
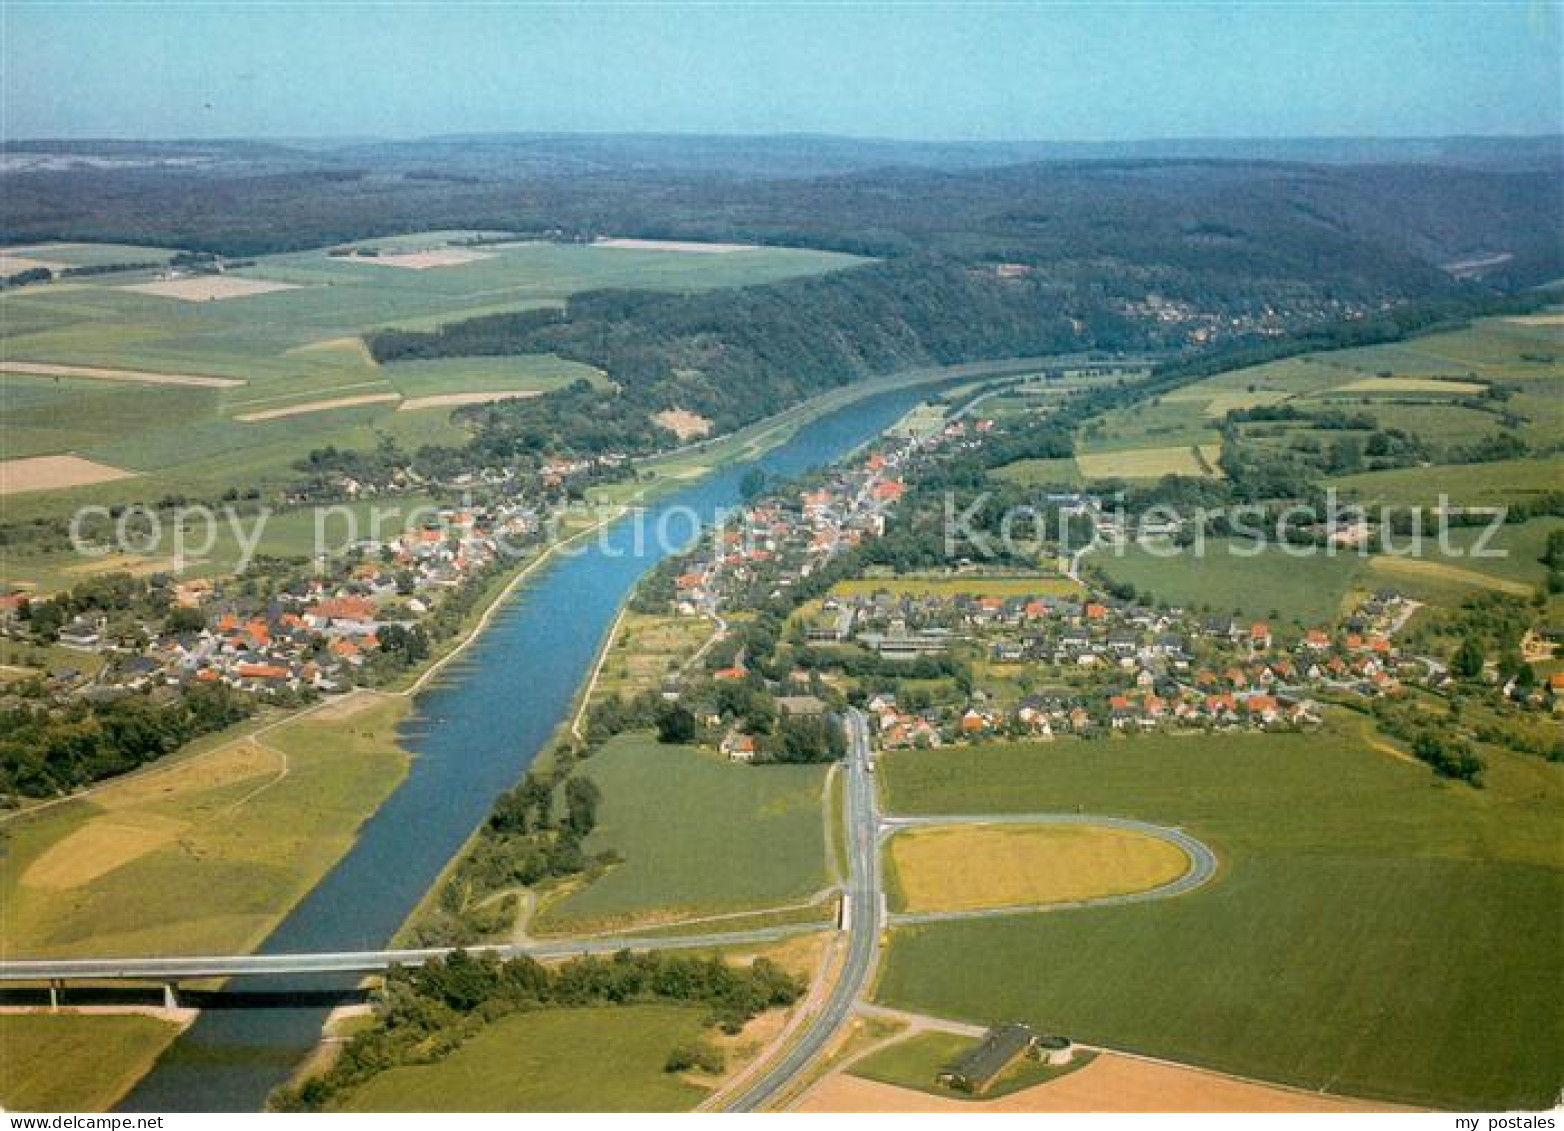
968	584
202	855
50	473
1144	463
1408	385
970	867
1413	568
456	400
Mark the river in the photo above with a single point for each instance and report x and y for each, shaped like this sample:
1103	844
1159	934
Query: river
472	733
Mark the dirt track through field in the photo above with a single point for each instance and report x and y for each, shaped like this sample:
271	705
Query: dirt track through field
456	400
132	376
307	407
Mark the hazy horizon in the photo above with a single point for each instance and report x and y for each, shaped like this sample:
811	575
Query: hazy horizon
939	73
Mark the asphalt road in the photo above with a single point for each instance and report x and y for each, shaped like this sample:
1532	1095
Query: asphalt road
864	905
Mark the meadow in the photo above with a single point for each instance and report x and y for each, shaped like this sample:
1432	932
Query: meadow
760	841
251	822
596	1059
1309	590
1373	931
76	1062
1469	484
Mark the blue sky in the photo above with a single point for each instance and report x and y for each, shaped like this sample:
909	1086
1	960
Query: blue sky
942	71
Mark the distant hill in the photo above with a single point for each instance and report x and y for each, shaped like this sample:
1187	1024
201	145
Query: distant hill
782	155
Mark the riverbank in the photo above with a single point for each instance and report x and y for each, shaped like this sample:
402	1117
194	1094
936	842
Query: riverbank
668	471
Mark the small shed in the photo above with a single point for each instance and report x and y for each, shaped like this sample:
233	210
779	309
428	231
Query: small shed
1052	1049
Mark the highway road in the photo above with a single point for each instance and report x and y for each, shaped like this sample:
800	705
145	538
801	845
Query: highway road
864	906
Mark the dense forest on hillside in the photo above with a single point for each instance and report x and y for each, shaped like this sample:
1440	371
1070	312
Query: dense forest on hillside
1376	225
973	261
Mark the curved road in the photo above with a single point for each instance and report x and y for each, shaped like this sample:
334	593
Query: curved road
865	902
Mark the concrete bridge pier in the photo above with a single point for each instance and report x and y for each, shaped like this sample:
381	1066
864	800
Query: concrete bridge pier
55	986
170	995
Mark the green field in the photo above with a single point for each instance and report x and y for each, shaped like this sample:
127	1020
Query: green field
294	348
760	841
75	1062
1041	473
1465	484
1309	590
1373	931
251	825
603	1059
916	1061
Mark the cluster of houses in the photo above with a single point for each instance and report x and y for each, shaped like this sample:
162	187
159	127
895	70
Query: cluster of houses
1120	665
778	541
312	636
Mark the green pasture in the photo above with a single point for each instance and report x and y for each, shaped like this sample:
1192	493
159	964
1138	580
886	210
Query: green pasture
760	841
75	1062
1309	590
596	1059
1464	484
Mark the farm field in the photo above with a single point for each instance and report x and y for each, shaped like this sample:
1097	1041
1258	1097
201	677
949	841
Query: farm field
760	844
1041	473
251	823
46	473
1309	590
969	867
915	1062
1150	463
1349	877
1469	484
76	1061
598	1059
275	353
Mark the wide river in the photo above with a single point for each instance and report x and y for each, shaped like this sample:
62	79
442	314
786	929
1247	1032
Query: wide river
472	733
